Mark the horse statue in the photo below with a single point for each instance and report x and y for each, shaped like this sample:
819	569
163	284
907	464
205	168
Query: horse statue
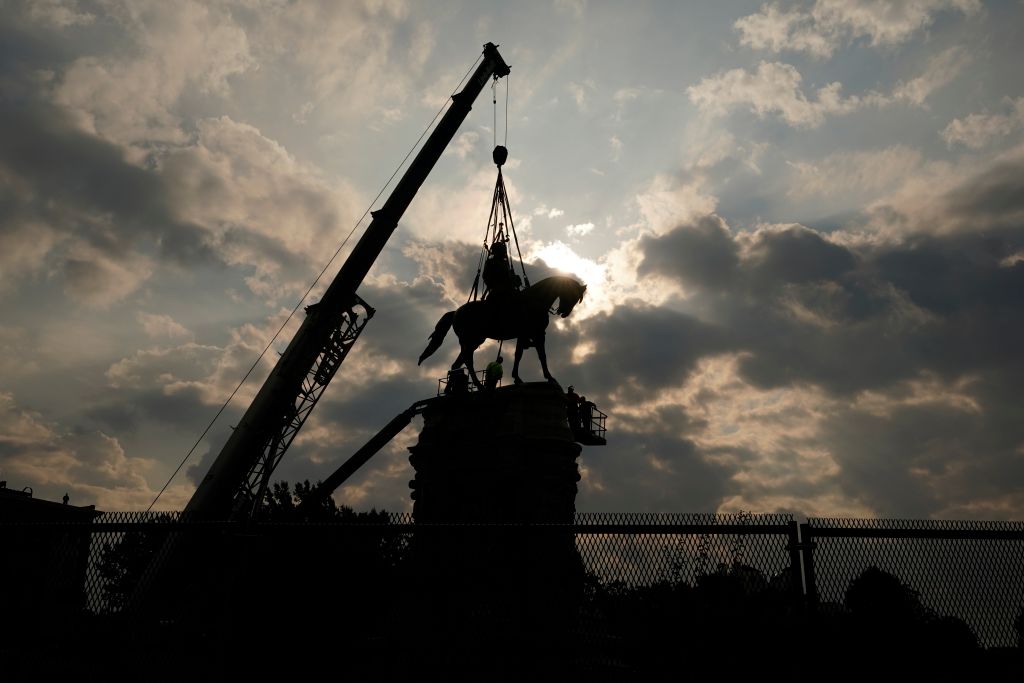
522	316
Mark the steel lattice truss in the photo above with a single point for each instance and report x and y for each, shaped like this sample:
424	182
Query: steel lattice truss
320	374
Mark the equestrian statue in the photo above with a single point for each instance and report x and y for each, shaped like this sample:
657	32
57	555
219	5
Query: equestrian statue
508	313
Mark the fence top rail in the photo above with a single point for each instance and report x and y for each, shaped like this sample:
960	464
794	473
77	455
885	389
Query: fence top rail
913	528
402	528
882	532
581	518
917	524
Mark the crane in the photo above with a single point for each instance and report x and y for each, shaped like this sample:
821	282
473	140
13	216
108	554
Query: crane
237	480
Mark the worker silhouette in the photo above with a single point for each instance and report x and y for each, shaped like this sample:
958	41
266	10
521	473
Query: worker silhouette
458	382
572	410
586	413
493	373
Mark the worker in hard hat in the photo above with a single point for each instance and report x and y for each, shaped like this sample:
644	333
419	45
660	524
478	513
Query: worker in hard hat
493	373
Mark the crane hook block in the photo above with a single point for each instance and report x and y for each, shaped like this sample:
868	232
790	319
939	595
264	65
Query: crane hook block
500	155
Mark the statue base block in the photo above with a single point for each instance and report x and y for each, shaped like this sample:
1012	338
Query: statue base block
493	470
504	456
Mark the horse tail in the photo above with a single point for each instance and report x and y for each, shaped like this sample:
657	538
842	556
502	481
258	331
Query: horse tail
437	336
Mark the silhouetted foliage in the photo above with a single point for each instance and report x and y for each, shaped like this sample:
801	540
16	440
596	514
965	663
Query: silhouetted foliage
123	562
673	625
883	616
285	504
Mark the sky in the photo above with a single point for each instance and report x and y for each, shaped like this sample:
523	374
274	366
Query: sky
801	224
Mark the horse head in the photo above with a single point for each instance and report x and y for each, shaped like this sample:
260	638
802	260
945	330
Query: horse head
567	302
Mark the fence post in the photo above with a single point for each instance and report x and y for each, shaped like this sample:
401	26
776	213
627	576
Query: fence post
794	558
807	546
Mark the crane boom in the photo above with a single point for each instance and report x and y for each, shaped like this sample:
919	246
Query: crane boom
238	477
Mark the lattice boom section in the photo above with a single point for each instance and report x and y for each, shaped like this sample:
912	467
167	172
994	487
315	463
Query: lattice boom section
314	383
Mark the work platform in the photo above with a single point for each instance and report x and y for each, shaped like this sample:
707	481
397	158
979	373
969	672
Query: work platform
587	423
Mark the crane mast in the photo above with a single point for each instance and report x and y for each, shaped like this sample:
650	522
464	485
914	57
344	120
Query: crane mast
238	478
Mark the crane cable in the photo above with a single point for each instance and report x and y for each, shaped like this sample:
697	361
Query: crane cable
474	290
310	289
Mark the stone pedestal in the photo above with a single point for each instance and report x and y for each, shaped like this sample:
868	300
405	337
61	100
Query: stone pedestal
500	586
504	456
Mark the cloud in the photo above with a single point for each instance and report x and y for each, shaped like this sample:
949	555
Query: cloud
668	199
445	213
980	130
543	210
827	25
579	230
464	144
616	144
90	465
701	254
580	93
158	325
131	98
97	278
810	370
85	207
232	195
60	13
259	205
775	88
855	176
941	71
24	244
349	59
942	197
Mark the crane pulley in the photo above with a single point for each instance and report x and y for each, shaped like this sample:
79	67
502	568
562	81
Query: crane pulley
495	267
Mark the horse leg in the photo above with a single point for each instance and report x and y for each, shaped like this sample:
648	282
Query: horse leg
467	357
519	356
538	341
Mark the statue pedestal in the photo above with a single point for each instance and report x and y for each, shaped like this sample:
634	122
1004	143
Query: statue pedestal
505	456
492	469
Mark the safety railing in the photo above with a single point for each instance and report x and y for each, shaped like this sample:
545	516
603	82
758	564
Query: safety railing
453	383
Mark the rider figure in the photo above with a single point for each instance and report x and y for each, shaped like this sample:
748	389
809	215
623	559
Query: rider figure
498	274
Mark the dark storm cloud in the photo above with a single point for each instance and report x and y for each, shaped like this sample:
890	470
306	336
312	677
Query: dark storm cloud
123	411
881	457
78	182
406	315
796	255
644	349
854	318
993	197
651	472
705	254
906	319
702	254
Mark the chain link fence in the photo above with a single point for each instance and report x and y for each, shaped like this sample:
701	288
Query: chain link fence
964	570
652	595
